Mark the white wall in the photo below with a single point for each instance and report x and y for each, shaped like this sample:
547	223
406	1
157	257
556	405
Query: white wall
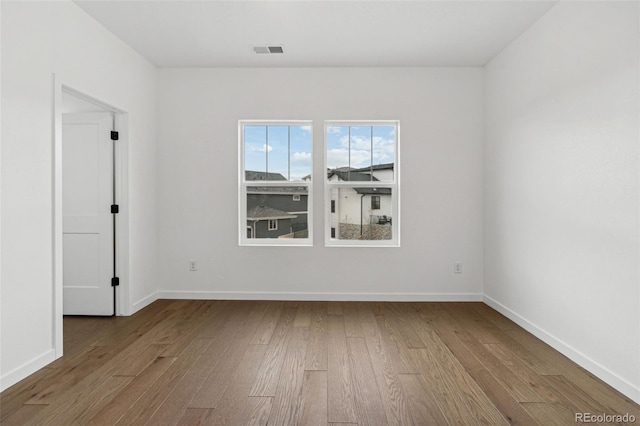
562	185
39	39
441	119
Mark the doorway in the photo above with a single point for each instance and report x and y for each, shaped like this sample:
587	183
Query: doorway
90	215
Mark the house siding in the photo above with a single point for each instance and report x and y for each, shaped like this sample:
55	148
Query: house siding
282	202
262	228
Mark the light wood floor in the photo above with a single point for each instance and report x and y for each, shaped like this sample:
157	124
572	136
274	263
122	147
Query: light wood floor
307	363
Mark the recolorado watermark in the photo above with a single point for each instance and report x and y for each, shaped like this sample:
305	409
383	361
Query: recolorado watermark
604	418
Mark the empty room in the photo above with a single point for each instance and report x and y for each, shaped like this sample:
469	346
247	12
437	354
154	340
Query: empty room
320	212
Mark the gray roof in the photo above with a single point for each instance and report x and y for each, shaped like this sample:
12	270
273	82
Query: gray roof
386	166
263	213
278	189
373	191
253	175
351	177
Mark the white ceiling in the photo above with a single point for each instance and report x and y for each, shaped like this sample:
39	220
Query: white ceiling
183	33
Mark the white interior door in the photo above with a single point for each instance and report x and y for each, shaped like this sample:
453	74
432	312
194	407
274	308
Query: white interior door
87	229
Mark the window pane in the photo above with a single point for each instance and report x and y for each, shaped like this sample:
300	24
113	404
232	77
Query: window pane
273	213
384	152
278	152
360	149
355	219
361	153
255	152
348	150
300	153
338	147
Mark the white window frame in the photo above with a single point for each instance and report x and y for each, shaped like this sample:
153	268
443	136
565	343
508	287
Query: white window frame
243	184
296	197
395	189
272	228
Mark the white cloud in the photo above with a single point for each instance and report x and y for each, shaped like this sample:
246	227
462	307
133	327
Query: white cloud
384	147
337	157
260	148
383	152
360	158
306	128
333	129
359	142
363	148
302	157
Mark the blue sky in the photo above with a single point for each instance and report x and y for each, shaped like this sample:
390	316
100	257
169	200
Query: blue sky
363	152
276	153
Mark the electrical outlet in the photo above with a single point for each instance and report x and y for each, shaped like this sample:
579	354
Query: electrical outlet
457	268
193	265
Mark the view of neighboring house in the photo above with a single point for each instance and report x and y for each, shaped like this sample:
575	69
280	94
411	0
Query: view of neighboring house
361	212
275	211
251	175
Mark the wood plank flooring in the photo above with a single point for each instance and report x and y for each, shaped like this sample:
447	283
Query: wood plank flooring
307	363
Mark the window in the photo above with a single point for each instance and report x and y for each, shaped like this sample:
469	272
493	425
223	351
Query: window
375	202
362	183
275	165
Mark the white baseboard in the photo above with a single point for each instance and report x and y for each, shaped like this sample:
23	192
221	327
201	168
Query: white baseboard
308	296
144	302
576	356
26	369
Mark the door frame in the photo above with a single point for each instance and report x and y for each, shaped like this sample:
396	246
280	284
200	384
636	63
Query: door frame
121	159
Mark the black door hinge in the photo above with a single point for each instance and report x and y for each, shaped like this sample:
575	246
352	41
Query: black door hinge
115	209
115	281
114	135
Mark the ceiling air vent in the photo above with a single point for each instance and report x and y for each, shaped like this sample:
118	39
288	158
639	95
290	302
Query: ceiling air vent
268	49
